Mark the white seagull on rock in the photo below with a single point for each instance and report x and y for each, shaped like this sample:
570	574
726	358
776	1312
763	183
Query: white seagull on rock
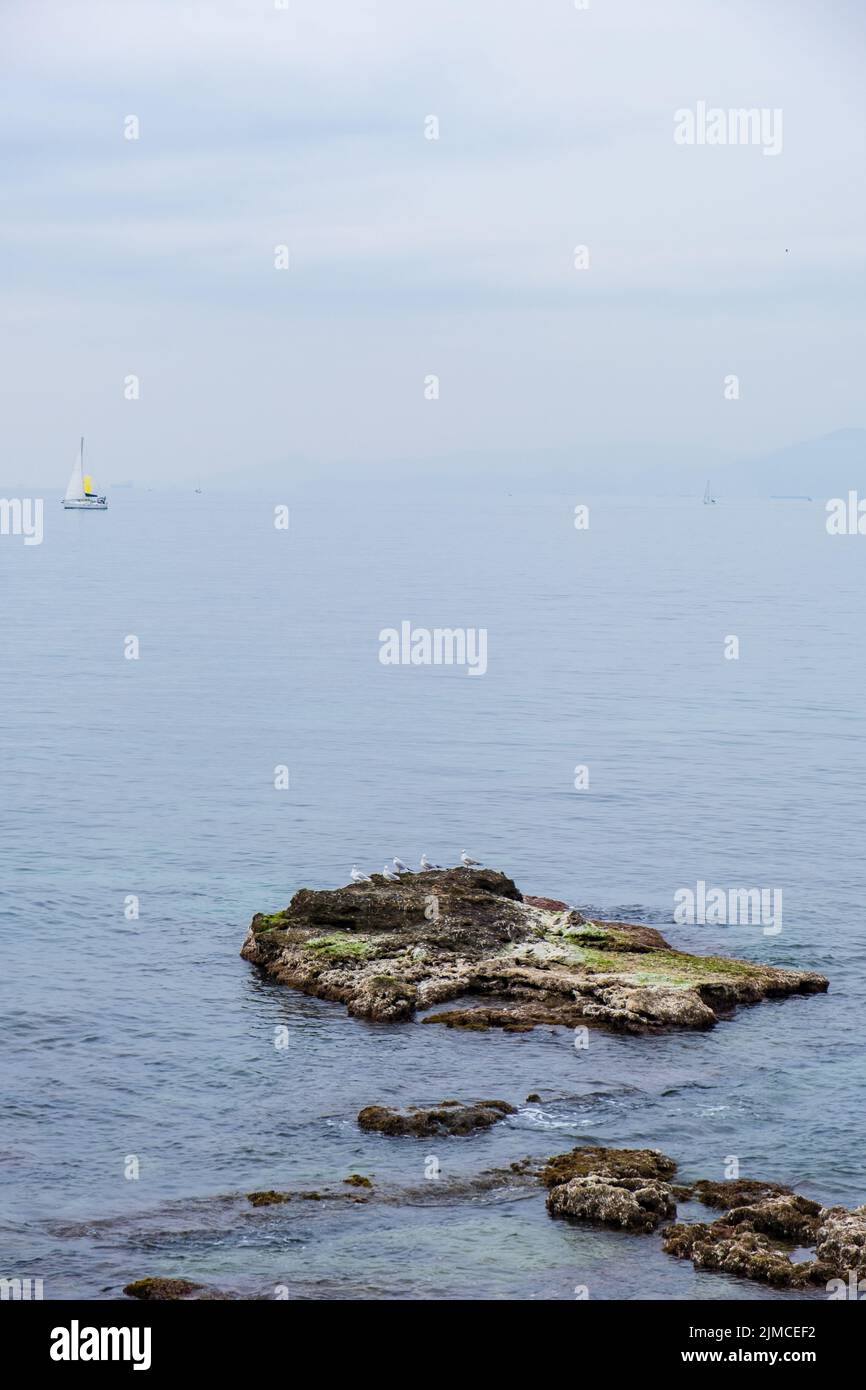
388	873
469	863
358	877
401	867
427	866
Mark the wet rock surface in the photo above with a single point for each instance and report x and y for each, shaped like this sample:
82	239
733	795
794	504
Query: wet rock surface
761	1228
170	1290
624	1188
735	1192
735	1250
389	951
589	1161
840	1242
788	1217
448	1117
269	1197
746	1240
632	1204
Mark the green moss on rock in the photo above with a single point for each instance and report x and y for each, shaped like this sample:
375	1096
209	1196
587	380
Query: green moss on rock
339	945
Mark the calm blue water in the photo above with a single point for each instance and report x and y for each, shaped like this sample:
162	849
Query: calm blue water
257	647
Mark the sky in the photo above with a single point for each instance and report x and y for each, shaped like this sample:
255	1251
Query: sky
305	127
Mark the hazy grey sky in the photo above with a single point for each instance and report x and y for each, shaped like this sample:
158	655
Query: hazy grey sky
261	126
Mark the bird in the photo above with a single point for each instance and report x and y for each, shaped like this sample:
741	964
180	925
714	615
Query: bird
358	877
469	863
427	866
401	867
388	873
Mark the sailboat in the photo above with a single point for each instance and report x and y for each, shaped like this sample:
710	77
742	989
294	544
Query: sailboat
79	492
709	499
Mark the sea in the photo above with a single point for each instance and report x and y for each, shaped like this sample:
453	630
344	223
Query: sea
196	723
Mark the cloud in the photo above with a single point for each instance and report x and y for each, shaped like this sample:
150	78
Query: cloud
305	127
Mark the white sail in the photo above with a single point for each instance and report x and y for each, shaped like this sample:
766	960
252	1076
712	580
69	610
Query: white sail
75	487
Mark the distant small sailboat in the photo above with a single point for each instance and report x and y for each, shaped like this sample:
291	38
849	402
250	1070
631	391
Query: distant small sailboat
79	493
709	499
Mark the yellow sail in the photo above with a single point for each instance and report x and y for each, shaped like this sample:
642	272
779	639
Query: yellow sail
88	483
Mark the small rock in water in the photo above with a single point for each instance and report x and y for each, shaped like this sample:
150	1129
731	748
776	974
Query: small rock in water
156	1289
448	1117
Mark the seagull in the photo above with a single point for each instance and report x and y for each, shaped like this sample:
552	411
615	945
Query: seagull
358	877
401	867
469	863
388	873
427	866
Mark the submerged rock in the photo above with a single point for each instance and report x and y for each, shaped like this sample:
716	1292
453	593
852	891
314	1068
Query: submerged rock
478	1020
390	950
735	1192
271	1198
448	1117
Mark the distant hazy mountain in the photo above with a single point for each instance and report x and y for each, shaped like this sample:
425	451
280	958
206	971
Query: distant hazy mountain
818	468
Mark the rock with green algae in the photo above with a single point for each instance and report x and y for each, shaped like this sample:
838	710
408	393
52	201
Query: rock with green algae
388	951
735	1192
270	1197
448	1117
592	1161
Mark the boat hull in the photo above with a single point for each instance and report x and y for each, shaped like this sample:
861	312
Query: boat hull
85	505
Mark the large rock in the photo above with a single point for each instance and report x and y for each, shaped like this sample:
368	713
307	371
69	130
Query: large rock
391	950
